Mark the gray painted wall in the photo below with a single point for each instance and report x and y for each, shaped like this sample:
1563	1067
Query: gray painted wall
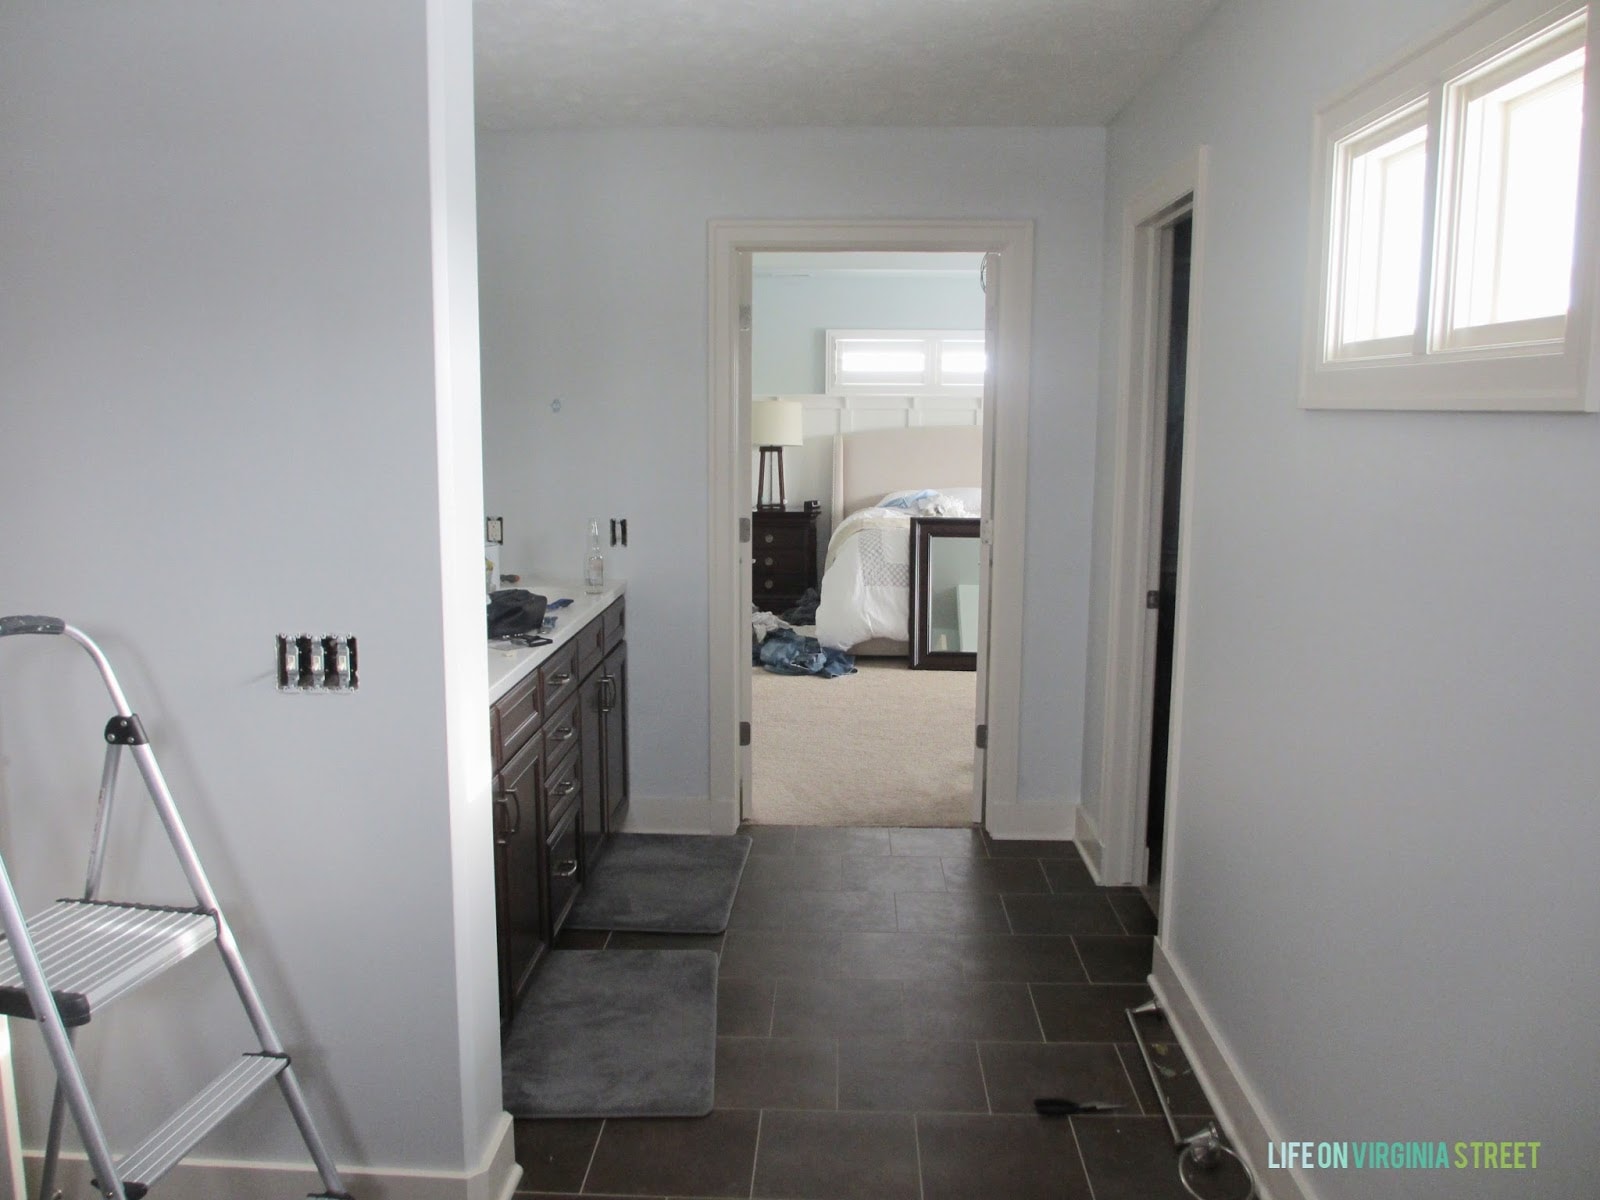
594	291
226	415
792	314
1385	829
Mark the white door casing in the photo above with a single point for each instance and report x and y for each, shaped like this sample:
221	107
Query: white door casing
1005	498
1127	682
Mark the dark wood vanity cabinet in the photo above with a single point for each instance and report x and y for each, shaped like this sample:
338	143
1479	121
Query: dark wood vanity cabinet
560	745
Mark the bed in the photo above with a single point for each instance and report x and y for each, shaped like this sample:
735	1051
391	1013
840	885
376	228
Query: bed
866	592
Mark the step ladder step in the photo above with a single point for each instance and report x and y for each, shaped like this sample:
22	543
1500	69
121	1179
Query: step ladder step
93	951
144	1166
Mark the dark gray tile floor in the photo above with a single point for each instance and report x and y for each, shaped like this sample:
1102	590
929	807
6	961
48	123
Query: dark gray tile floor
889	1004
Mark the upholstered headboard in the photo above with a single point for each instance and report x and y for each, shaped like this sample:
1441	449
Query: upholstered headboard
869	464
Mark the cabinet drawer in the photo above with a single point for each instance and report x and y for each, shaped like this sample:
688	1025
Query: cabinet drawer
591	643
768	584
561	850
513	718
770	561
562	782
616	623
782	537
561	728
558	677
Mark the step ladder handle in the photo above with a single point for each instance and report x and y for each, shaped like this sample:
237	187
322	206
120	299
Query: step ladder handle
13	626
102	824
56	1041
107	675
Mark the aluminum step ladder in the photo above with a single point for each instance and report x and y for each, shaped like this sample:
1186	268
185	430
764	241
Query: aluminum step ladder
67	963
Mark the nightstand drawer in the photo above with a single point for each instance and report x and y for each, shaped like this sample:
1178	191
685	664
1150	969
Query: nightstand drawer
788	562
766	585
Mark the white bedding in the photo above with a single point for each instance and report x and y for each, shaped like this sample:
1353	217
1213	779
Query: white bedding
866	581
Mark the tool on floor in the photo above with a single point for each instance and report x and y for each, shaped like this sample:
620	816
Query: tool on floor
67	963
1205	1148
1059	1106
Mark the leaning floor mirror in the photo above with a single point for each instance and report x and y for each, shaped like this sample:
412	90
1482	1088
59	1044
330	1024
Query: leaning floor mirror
944	593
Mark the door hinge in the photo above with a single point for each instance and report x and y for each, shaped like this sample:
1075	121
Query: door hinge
1152	599
983	737
744	318
744	531
744	733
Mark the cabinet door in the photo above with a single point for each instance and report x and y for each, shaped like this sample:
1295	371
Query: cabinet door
519	843
614	696
591	731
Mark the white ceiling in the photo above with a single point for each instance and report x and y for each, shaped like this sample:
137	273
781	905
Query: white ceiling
763	63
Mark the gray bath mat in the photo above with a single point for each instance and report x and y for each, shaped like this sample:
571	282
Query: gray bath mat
615	1033
663	883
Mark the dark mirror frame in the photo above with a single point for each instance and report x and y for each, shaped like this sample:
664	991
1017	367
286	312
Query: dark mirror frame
923	532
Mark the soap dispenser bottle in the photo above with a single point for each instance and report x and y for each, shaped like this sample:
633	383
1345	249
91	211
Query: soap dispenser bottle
594	563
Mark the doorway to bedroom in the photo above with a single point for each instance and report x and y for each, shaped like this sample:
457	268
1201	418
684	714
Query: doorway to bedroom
866	394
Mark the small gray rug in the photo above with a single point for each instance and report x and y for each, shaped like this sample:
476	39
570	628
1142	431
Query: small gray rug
663	883
615	1033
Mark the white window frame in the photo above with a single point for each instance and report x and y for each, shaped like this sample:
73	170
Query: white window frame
930	383
1540	366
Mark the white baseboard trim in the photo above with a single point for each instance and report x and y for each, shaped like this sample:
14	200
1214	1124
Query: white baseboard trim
1053	822
1239	1109
1087	836
675	814
495	1178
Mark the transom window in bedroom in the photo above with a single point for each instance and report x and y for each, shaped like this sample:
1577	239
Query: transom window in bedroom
1450	248
904	362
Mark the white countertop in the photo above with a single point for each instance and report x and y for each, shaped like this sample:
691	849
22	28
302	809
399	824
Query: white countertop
509	663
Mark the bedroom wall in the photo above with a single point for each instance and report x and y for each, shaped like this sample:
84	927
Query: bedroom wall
1382	845
593	250
792	313
238	377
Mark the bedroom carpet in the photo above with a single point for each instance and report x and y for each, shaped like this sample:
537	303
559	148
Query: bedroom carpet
885	746
615	1033
663	883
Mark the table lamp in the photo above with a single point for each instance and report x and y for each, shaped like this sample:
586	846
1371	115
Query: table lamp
774	424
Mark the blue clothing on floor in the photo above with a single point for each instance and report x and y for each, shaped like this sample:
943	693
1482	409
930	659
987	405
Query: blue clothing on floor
785	652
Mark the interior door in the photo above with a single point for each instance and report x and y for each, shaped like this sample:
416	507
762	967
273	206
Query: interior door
745	492
991	347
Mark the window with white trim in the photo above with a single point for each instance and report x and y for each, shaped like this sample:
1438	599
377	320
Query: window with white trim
1454	258
904	362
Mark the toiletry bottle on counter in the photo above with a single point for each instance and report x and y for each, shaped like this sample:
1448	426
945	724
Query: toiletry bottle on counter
594	563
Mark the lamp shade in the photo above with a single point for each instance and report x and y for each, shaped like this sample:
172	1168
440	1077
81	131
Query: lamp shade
776	423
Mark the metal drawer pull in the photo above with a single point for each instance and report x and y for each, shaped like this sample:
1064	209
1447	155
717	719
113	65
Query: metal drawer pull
561	679
567	788
565	869
769	539
564	734
767	561
510	796
767	583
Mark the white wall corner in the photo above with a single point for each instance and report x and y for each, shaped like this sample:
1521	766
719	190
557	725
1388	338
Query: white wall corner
494	1178
1238	1106
679	814
1013	820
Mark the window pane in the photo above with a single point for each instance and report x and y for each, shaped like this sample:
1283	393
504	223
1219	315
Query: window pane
1517	197
1382	268
961	362
881	360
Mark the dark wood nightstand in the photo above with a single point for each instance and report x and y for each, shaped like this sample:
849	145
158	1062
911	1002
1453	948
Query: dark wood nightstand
783	557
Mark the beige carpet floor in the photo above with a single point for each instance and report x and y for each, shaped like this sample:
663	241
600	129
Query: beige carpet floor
885	746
